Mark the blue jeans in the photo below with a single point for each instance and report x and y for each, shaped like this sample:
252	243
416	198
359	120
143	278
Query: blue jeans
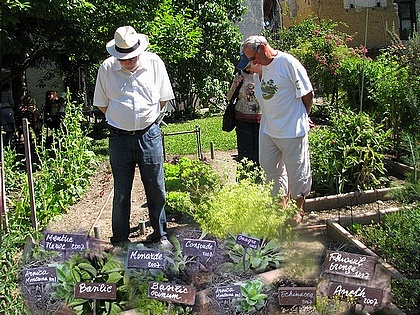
143	149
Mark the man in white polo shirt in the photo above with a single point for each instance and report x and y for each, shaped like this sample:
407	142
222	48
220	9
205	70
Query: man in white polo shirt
285	95
132	88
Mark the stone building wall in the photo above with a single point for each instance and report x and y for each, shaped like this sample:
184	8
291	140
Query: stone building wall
363	23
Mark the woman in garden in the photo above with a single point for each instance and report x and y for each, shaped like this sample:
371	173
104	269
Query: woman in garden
247	110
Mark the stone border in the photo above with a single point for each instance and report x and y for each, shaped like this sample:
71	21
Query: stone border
348	199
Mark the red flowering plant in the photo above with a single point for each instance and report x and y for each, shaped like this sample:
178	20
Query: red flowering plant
320	47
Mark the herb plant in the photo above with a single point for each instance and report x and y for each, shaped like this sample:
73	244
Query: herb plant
396	238
253	298
243	207
269	255
348	154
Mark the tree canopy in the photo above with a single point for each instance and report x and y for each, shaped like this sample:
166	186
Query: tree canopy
195	38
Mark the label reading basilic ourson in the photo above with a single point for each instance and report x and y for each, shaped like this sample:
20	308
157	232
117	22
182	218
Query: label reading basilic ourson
171	292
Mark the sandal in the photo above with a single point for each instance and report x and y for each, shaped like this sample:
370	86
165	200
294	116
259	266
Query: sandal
297	219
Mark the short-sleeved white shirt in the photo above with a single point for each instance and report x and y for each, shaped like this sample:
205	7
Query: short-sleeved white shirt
283	83
133	99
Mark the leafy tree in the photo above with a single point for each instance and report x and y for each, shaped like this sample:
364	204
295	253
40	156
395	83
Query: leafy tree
195	39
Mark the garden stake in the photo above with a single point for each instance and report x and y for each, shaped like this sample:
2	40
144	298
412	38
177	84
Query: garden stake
169	308
94	307
42	299
4	222
244	257
26	139
96	232
197	263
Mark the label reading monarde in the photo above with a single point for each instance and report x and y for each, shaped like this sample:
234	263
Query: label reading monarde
297	296
228	292
171	292
355	294
200	248
40	275
350	265
95	290
247	241
65	242
146	259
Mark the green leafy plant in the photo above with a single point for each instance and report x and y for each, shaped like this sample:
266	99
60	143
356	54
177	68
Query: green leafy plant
61	173
406	294
348	154
253	298
269	255
108	269
243	207
247	169
179	202
396	238
329	306
193	176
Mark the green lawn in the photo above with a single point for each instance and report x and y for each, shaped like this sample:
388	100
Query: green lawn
184	144
210	131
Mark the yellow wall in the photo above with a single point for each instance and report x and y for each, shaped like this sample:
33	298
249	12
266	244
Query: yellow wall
355	18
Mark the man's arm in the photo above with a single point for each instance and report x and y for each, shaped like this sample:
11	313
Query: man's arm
307	101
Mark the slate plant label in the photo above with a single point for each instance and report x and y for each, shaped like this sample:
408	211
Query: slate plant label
171	292
40	275
350	265
95	290
228	292
297	296
247	241
200	248
356	294
146	259
65	242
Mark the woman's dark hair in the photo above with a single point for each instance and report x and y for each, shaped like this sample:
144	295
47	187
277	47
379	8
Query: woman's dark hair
5	87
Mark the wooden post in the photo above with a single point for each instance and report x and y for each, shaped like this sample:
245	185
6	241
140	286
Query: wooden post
212	149
26	138
169	308
94	307
4	222
244	258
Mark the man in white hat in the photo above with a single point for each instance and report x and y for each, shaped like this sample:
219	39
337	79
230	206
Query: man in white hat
131	89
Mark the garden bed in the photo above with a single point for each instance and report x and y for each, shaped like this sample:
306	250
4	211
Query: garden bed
339	230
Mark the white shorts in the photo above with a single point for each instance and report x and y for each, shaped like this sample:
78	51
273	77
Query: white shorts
286	162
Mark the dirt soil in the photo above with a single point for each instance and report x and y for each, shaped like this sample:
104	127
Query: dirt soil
304	256
92	214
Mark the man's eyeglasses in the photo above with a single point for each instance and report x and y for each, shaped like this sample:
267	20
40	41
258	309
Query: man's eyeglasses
255	55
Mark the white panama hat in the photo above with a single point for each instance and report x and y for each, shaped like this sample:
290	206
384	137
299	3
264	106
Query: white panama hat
127	43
